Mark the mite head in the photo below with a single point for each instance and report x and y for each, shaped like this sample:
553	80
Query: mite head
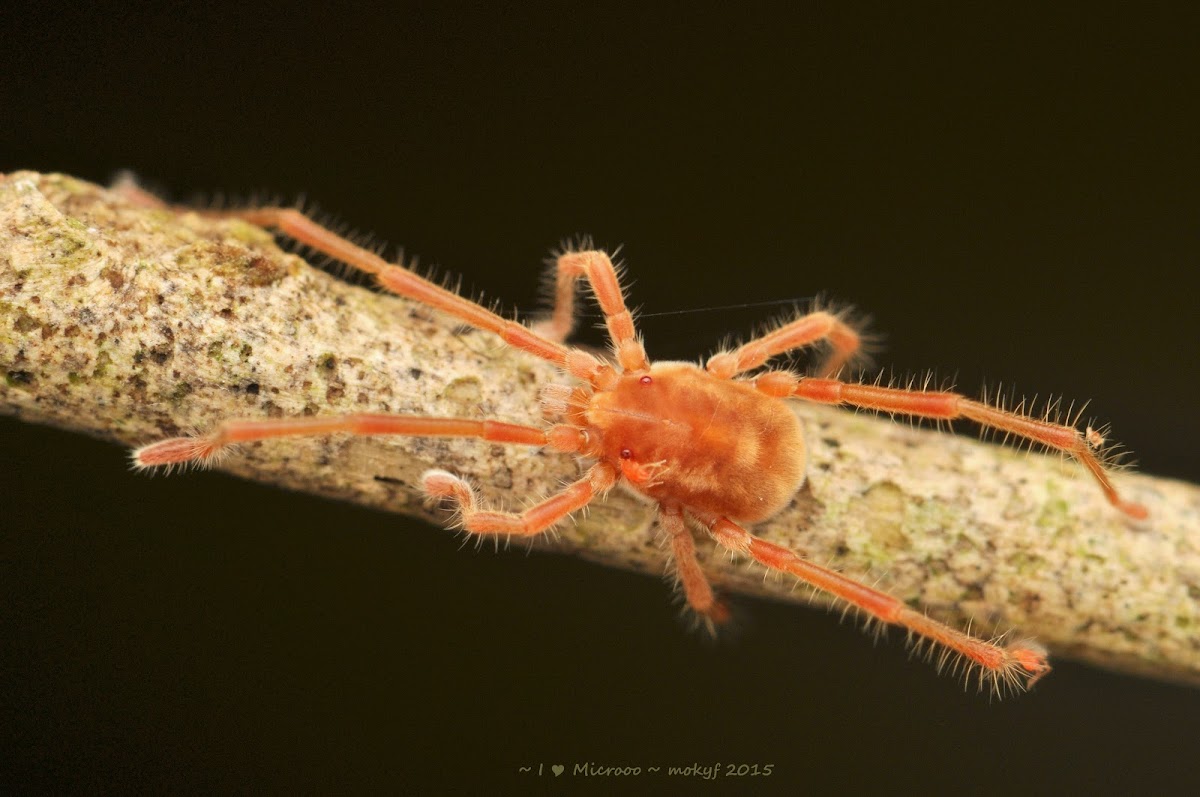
635	426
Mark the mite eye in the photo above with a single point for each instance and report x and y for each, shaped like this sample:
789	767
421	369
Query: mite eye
626	453
645	380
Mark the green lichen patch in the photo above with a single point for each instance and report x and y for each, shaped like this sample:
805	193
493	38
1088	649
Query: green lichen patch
64	248
248	233
113	276
466	390
1055	512
1027	563
103	361
885	507
262	271
233	262
25	322
21	379
931	516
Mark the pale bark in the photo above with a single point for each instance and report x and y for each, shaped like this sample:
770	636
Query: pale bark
132	324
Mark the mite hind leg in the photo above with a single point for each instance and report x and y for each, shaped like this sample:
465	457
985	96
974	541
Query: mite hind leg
946	405
1018	665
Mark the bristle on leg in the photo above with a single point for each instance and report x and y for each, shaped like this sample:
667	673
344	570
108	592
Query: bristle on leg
999	668
177	451
1015	668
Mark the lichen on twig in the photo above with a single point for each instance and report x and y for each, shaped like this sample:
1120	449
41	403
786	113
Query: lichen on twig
132	324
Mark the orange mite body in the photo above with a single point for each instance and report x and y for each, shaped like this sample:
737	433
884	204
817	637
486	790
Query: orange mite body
683	436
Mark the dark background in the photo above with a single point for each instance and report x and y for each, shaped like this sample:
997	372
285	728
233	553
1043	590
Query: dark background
1011	195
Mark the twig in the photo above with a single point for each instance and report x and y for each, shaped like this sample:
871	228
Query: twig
133	324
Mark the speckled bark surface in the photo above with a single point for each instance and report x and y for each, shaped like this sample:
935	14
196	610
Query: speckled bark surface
131	324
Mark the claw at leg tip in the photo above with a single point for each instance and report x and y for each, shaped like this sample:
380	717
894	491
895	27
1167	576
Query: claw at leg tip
173	451
442	484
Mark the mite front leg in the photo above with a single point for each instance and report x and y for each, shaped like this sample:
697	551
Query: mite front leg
402	282
804	331
597	267
947	406
696	589
205	448
1017	665
539	517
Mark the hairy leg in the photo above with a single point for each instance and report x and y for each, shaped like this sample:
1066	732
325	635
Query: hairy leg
696	589
536	519
945	405
597	267
804	331
180	450
1016	665
401	281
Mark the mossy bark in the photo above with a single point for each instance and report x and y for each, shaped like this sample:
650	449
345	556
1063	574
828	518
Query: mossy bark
131	324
